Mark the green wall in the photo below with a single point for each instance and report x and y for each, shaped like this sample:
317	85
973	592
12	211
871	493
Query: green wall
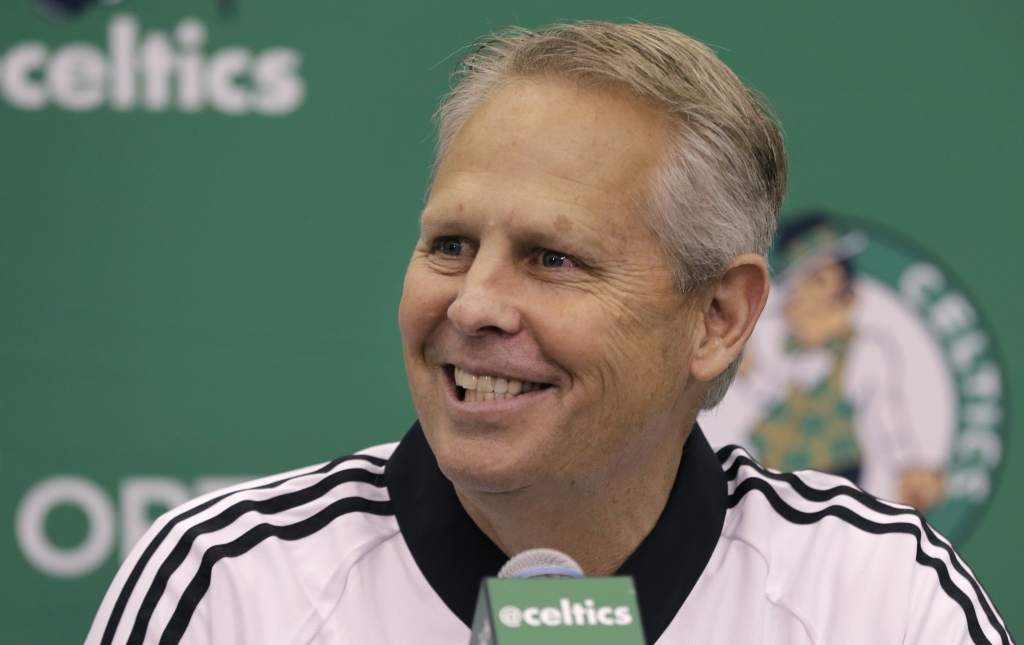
197	294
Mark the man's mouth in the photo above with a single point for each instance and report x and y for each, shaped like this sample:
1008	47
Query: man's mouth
473	388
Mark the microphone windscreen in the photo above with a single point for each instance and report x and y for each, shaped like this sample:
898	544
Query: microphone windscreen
541	563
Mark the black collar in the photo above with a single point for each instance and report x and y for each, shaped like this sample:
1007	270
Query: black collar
454	554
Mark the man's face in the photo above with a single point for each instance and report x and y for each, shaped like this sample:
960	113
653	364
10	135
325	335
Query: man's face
534	267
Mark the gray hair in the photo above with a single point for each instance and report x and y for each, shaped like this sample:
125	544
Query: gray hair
718	192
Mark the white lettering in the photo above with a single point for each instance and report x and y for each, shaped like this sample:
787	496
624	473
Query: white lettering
76	77
579	612
137	496
986	383
952	314
983	442
157	67
81	77
35	544
222	74
122	38
16	82
191	36
550	616
279	88
966	349
566	611
530	616
973	484
623	616
510	616
919	281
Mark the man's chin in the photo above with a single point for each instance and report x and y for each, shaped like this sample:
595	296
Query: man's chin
483	471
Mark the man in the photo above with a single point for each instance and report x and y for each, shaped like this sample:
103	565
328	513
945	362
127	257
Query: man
590	266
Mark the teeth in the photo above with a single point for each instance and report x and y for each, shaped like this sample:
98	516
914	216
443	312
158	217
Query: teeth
490	388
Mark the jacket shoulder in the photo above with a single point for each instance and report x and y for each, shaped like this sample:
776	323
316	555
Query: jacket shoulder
848	561
268	546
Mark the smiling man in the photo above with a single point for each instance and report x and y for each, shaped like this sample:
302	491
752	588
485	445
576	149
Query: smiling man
590	266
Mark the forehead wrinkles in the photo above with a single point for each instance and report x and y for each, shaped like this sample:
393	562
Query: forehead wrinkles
546	129
469	193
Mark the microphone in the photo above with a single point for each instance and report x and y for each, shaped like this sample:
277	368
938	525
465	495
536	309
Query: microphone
541	596
541	563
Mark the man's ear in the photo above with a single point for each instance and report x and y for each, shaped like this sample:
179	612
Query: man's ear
730	310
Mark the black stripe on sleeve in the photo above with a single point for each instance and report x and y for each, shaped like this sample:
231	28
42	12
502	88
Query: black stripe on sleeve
270	506
813	494
851	517
133	578
200	583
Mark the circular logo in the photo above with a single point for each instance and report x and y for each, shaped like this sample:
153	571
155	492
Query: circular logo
871	361
510	616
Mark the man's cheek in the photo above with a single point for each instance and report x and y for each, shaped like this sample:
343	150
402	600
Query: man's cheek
421	309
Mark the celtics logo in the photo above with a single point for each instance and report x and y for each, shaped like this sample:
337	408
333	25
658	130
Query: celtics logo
871	361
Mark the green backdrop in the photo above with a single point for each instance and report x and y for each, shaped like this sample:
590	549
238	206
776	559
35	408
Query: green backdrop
198	284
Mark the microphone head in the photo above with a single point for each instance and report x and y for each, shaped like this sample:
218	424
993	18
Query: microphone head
541	563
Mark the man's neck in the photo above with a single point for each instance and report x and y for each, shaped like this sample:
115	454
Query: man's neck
599	523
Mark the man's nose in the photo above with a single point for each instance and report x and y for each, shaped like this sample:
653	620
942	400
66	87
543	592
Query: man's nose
484	303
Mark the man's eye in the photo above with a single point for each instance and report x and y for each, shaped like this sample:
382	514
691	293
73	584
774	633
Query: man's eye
554	259
451	246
